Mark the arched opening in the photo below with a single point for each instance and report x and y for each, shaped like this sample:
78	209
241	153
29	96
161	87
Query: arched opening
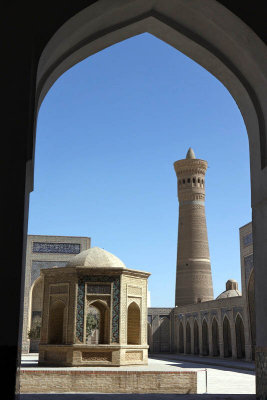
188	338
181	338
215	338
251	309
227	342
36	307
97	323
56	322
240	337
133	324
205	338
196	338
164	334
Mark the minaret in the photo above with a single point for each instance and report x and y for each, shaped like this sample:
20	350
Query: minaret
193	271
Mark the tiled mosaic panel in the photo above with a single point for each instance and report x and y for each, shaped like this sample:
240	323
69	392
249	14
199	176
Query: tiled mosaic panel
37	265
247	239
81	304
65	248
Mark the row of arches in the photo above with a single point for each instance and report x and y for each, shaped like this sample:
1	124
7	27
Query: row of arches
97	323
189	338
195	181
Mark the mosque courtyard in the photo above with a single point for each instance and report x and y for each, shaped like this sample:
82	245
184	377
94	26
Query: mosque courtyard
217	379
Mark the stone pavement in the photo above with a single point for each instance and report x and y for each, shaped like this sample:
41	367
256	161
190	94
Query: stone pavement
235	381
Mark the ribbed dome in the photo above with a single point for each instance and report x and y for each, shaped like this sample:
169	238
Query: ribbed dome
95	258
229	293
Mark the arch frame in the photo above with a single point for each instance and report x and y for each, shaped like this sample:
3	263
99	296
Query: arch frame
214	318
211	35
130	305
239	315
225	317
204	320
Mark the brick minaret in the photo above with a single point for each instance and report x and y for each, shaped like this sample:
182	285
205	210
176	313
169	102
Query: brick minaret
193	271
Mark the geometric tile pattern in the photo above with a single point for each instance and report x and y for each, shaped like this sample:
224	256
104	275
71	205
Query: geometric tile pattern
81	304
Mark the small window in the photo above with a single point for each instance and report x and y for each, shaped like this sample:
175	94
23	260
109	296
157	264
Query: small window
183	181
194	180
188	180
198	180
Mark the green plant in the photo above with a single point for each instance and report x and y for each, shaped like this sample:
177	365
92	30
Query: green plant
34	333
92	323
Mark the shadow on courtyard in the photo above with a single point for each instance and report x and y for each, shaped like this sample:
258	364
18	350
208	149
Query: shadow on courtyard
200	362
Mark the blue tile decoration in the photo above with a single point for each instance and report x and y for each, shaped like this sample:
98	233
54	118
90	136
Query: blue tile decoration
81	303
247	239
62	248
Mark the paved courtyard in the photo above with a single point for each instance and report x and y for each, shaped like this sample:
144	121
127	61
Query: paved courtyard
228	380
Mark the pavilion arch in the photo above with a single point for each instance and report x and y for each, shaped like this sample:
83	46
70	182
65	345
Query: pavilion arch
188	338
99	311
181	337
57	322
240	336
196	337
208	33
227	338
215	337
133	324
35	311
205	338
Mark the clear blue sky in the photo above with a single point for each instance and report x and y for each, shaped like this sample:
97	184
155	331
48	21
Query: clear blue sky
108	133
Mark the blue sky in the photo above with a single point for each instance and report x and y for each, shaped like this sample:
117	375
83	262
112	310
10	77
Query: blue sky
108	133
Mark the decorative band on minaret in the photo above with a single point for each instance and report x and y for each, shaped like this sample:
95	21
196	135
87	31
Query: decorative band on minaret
193	271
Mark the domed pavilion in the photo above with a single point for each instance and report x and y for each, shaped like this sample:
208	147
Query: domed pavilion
94	312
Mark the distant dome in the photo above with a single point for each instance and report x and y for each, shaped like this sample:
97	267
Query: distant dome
190	154
229	293
95	258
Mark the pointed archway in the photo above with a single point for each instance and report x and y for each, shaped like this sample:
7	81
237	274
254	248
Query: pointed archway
205	338
181	337
215	338
196	337
188	339
240	337
227	340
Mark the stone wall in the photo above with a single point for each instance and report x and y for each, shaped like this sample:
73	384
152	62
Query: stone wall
60	381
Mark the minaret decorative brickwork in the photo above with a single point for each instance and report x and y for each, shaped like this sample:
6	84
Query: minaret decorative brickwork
193	271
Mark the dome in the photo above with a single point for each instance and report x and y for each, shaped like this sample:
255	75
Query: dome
96	258
229	293
190	154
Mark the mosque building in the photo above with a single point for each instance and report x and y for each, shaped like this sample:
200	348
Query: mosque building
198	324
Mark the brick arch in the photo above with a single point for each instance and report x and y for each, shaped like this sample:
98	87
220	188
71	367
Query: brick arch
101	334
181	337
215	337
227	337
57	315
196	337
188	338
208	34
133	324
240	336
205	337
